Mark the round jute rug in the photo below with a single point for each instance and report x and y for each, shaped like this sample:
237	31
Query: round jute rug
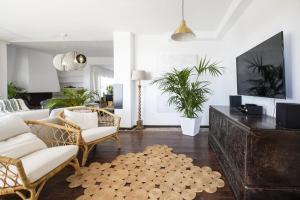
155	173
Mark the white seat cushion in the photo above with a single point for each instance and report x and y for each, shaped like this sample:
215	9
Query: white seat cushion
21	145
11	126
97	133
42	162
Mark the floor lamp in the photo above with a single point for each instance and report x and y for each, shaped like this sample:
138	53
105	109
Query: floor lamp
138	75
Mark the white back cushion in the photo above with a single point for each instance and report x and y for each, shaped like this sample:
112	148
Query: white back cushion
12	125
84	120
21	145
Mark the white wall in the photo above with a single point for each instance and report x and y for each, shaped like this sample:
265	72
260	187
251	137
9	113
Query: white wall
3	70
123	65
148	49
261	20
42	74
32	70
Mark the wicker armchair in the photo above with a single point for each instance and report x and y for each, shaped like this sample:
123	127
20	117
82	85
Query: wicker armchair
106	120
14	175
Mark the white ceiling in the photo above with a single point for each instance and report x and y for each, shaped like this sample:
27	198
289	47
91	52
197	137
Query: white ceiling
96	20
88	48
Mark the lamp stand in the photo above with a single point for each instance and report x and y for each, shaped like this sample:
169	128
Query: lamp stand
139	122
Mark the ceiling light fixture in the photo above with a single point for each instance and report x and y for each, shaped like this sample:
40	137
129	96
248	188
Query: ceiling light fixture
183	32
70	61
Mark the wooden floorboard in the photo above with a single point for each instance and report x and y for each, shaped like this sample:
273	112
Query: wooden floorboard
194	147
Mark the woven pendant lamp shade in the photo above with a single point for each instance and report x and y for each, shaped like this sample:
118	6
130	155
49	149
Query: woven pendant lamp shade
57	62
69	61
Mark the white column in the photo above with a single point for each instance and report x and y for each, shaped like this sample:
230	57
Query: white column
123	65
3	70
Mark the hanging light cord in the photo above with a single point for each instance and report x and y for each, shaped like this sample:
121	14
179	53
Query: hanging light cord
182	9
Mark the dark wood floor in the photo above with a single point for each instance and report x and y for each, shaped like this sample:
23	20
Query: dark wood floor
194	147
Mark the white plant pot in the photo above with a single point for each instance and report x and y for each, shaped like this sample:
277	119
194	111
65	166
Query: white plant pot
190	126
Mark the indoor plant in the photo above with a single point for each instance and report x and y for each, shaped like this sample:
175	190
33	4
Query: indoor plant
70	97
188	92
14	91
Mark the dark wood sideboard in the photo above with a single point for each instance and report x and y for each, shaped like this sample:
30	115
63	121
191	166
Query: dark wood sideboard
259	160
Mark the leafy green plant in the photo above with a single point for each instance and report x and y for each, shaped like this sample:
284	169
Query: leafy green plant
95	95
14	91
70	97
187	92
110	90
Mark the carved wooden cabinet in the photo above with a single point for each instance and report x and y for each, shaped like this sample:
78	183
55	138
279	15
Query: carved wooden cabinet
259	160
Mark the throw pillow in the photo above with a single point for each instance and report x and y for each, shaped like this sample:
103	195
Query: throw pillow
23	105
12	125
2	107
8	106
83	120
14	104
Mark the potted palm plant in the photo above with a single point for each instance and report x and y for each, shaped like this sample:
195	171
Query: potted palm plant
187	92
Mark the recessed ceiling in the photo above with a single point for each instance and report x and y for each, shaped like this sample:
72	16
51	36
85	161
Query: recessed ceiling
88	48
96	20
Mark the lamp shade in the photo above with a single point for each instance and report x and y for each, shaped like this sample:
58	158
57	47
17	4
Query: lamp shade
57	62
69	61
183	33
138	75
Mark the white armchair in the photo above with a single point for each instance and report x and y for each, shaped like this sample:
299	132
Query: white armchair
33	152
94	124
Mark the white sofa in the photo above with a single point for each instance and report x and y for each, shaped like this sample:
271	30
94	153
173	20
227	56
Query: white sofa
18	107
27	160
32	114
95	126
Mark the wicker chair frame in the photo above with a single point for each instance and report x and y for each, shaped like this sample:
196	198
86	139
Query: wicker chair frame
12	173
105	118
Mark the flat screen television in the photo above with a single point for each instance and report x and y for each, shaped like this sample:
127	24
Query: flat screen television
261	71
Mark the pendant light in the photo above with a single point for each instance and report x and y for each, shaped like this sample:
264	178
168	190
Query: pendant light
183	32
69	61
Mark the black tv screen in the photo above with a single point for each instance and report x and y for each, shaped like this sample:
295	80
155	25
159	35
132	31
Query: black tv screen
260	71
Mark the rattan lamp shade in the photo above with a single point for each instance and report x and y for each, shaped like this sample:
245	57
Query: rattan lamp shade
57	62
70	61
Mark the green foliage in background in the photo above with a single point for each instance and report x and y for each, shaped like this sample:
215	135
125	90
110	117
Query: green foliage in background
70	97
186	89
110	90
14	91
